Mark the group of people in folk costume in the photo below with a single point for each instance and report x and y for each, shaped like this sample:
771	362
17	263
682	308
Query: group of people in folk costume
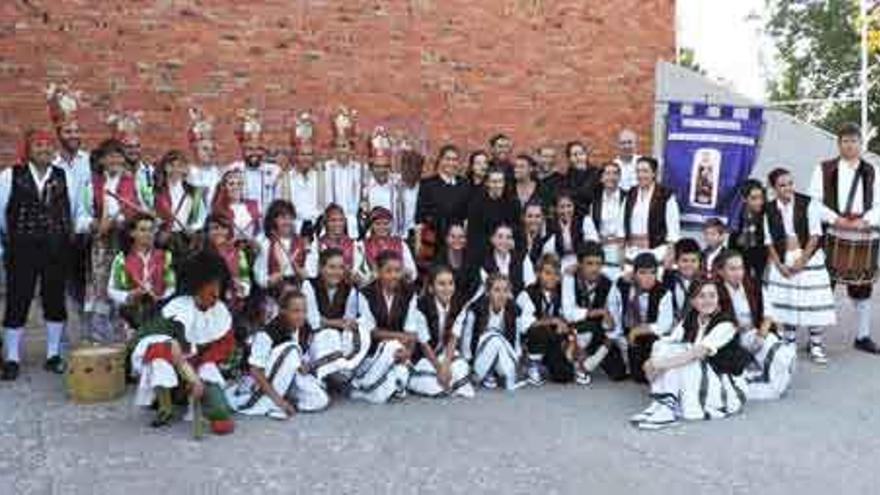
266	288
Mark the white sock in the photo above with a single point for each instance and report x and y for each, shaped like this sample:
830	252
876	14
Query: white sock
54	330
12	344
863	318
592	362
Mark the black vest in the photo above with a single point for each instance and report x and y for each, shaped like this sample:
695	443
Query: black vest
673	280
731	358
437	337
331	309
34	216
801	223
279	333
864	172
654	297
515	270
577	236
394	319
599	300
481	310
536	295
657	227
596	207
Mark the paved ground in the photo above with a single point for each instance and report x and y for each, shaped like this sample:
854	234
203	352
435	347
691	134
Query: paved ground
822	438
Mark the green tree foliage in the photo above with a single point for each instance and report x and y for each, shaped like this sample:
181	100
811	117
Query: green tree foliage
818	47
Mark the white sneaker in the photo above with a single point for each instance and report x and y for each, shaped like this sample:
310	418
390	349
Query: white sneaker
661	418
647	413
533	374
582	377
490	382
817	354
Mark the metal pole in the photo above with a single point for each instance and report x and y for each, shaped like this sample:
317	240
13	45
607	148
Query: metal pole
863	19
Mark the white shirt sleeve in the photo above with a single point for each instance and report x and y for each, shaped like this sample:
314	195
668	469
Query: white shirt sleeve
615	308
528	272
589	230
872	216
718	337
816	191
549	245
409	264
673	221
768	239
311	262
417	324
85	215
814	217
261	351
410	322
570	310
366	319
467	335
526	310
664	316
352	304
261	263
5	192
312	313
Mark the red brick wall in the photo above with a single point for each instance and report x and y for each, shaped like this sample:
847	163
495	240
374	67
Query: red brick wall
454	69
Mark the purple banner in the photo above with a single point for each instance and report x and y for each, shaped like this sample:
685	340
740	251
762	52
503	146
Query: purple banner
710	151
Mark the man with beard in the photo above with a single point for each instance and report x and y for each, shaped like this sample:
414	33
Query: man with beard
303	184
205	174
259	176
74	162
345	177
545	157
627	158
125	128
36	225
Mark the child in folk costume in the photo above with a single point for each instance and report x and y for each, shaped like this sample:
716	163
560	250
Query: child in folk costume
282	253
533	234
715	237
107	205
283	380
220	240
179	205
769	372
338	344
503	258
141	276
566	233
387	311
747	236
334	236
190	340
687	269
380	238
439	368
492	336
646	311
344	176
549	341
604	223
452	254
798	286
591	305
696	372
229	200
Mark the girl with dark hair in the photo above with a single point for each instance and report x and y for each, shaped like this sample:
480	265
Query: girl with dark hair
798	286
380	237
533	234
572	175
486	211
566	232
108	204
697	371
244	213
503	258
179	205
748	236
283	376
651	219
453	255
334	235
191	339
492	335
141	275
525	186
442	201
604	220
478	168
439	369
282	254
220	239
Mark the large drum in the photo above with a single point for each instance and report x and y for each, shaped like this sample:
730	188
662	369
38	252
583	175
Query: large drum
852	254
96	374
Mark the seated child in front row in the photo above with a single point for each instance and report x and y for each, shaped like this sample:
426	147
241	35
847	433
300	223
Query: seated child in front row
773	359
387	312
191	339
696	372
688	262
548	340
646	312
283	378
715	237
591	304
492	334
439	369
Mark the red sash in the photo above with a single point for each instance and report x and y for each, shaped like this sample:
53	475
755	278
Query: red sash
296	255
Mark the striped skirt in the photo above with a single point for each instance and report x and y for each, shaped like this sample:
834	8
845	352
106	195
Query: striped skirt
804	299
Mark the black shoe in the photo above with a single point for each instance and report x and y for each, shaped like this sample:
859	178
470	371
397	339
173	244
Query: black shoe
10	371
867	345
55	364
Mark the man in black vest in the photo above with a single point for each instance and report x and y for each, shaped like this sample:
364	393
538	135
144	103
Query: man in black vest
848	186
36	225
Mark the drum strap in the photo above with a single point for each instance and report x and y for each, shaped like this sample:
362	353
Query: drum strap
851	196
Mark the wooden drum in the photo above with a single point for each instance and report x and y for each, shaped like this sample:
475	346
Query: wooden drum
96	374
852	254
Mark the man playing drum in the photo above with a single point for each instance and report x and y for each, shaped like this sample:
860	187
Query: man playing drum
848	187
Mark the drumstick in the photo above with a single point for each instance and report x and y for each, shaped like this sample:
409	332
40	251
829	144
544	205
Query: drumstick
198	426
145	211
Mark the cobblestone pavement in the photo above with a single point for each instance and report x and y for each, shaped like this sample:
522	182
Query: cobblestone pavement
820	439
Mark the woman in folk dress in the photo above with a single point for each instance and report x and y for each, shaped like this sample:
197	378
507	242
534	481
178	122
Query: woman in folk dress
697	371
798	286
178	205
